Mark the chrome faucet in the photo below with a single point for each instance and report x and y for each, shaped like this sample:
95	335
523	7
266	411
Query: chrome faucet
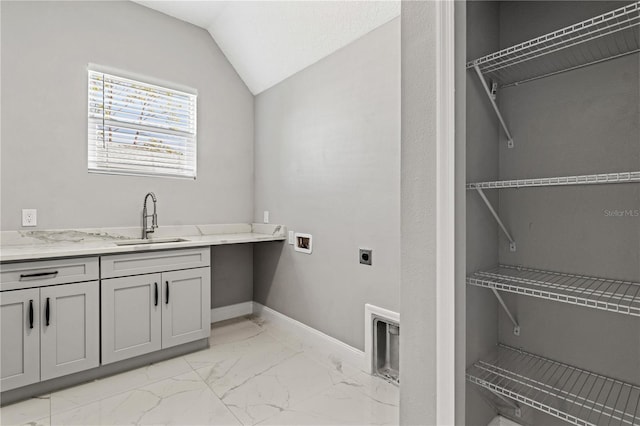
154	217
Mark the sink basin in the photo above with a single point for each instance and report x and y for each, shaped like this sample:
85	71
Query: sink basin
150	241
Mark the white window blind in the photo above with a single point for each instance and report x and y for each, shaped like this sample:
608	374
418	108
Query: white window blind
137	128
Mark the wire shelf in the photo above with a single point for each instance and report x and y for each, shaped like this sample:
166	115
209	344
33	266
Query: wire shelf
622	297
624	177
577	396
604	37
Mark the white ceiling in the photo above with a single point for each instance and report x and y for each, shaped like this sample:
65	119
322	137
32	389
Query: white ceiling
268	41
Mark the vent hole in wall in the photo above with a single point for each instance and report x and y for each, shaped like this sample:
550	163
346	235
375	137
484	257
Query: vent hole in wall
386	349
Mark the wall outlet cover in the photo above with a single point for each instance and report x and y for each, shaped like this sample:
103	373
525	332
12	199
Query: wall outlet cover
291	238
265	216
29	217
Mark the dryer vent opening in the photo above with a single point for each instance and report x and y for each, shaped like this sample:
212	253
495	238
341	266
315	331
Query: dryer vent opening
386	349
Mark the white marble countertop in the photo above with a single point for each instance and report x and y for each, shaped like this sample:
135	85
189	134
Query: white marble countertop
47	244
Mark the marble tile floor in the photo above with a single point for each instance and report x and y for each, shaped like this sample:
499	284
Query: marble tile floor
253	373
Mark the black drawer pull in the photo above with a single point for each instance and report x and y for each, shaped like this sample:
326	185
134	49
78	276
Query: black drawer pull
38	275
167	294
31	313
46	313
156	293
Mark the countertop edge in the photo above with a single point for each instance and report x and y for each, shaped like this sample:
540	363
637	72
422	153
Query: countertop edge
111	248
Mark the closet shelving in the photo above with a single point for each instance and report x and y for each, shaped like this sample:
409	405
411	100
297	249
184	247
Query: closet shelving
624	177
618	296
575	395
607	36
597	179
602	38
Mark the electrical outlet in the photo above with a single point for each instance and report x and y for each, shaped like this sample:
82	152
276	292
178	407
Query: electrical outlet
291	238
265	216
366	256
29	217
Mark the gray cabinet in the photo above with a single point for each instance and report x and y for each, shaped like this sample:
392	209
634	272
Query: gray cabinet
186	312
163	301
122	265
19	338
70	329
18	276
48	332
130	317
51	312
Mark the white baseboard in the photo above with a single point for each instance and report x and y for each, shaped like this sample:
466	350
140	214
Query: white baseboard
317	339
231	311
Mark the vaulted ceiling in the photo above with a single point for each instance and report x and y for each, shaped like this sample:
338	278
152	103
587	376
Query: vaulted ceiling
268	41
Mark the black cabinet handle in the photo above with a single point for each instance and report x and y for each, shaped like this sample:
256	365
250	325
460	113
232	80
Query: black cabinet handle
31	313
46	313
38	276
156	294
167	294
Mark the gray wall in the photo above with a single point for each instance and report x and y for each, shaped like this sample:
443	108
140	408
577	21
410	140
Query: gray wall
582	122
327	162
46	47
231	274
418	220
481	231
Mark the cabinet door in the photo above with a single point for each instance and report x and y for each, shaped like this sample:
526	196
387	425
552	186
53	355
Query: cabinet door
69	338
130	316
186	306
19	338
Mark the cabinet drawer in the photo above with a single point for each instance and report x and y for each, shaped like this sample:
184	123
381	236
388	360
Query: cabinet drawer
121	265
14	276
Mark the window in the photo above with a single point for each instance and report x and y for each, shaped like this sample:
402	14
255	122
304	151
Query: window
137	128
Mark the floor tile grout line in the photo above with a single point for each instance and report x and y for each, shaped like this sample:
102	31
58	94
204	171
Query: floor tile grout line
220	399
292	408
270	333
307	353
321	392
293	355
129	390
217	397
110	395
303	353
305	350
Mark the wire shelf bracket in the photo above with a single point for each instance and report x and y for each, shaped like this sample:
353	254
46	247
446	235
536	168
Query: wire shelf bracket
577	396
617	296
512	243
491	94
516	326
517	410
